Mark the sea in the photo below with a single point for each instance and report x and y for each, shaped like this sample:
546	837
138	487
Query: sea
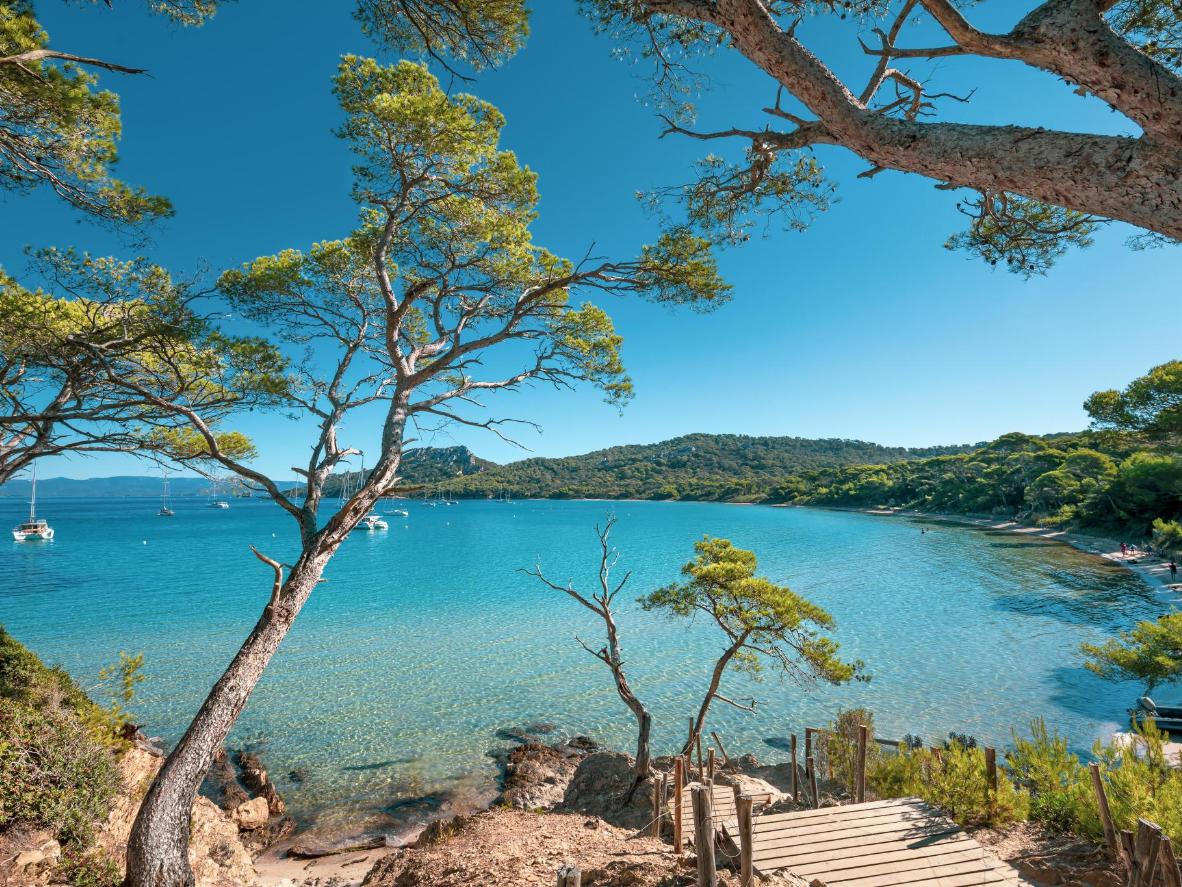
428	646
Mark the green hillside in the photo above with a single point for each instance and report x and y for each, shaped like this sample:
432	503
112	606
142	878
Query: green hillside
729	467
1094	479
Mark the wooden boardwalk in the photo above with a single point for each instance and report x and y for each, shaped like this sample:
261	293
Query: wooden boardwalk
877	844
723	811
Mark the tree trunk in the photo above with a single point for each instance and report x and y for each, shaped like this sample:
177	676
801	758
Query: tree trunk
1135	180
157	851
715	680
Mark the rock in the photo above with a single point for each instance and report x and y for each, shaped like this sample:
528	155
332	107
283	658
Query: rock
536	776
599	786
299	775
751	785
251	814
222	783
583	744
216	854
311	848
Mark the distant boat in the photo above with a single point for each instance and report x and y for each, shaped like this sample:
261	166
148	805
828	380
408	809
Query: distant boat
401	512
34	529
373	521
165	511
220	503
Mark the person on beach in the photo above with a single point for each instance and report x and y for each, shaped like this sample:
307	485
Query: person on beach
1124	549
1173	571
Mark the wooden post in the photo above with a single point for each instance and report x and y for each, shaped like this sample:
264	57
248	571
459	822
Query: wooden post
746	849
795	780
689	746
569	876
678	803
710	764
812	777
698	740
1110	837
1169	865
704	836
726	759
860	774
808	742
991	770
1146	846
658	797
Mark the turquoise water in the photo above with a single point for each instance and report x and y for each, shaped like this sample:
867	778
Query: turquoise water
426	640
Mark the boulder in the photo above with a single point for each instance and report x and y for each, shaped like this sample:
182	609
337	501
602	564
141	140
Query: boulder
536	776
251	814
599	787
215	852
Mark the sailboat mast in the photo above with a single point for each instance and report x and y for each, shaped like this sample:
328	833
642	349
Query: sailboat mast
33	497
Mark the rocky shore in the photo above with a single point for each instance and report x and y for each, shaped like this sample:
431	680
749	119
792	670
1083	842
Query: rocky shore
559	802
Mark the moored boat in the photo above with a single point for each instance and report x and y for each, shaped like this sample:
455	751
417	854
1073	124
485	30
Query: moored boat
373	521
35	529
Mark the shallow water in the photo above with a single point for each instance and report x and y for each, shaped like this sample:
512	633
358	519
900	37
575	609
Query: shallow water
426	639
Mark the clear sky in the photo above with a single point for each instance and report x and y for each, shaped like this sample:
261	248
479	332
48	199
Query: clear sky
862	327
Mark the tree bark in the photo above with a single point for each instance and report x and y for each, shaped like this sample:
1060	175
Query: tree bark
157	850
715	680
1135	180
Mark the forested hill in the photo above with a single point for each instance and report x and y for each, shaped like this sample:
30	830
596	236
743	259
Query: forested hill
696	466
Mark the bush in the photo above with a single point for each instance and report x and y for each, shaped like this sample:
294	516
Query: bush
1062	797
1142	785
56	766
52	773
953	779
89	870
841	744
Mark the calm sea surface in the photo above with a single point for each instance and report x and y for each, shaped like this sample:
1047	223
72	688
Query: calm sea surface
426	639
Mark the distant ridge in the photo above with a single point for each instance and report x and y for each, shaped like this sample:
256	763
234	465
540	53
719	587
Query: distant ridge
731	467
727	467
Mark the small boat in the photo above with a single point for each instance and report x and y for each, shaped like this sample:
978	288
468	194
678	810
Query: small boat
221	503
35	529
1164	717
165	511
373	522
401	512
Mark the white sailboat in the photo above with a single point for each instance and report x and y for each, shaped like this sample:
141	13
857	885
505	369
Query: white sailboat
34	529
373	521
165	509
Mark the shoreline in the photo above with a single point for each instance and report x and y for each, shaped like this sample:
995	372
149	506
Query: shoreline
1152	570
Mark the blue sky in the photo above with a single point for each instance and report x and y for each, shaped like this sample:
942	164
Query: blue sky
863	327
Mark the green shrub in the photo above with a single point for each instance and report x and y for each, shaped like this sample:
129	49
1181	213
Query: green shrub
1142	784
88	870
1062	797
841	744
953	779
57	769
52	773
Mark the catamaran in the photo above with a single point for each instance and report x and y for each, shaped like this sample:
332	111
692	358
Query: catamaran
165	510
35	529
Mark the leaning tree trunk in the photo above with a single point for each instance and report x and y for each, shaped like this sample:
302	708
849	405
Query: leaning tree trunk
712	692
157	850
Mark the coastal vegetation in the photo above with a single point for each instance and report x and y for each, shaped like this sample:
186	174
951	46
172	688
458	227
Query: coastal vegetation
764	625
1039	779
1151	652
57	753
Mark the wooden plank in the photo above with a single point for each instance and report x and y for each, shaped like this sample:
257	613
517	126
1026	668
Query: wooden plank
849	810
938	869
914	829
846	850
902	862
821	826
900	854
855	844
